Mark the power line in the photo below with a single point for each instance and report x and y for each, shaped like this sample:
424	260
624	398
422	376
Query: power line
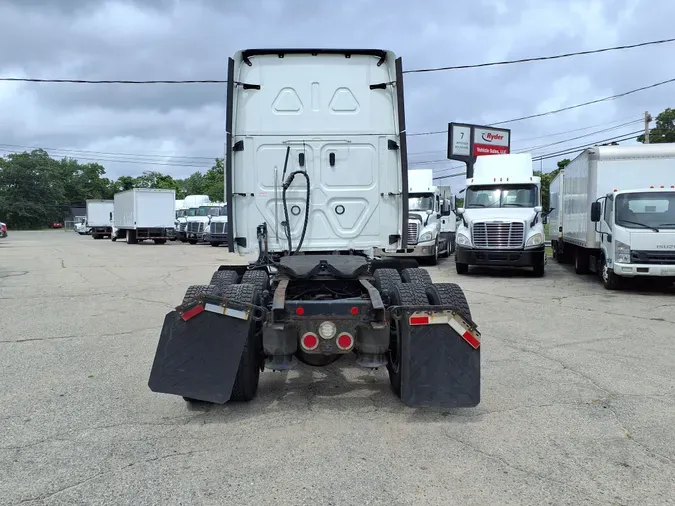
412	71
576	106
113	153
541	58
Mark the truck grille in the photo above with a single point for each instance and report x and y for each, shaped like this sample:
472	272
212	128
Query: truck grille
182	226
491	235
653	257
195	227
413	232
218	228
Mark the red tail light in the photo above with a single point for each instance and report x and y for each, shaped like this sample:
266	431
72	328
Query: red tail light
345	341
310	341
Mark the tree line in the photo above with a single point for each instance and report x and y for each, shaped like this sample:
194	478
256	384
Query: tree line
36	189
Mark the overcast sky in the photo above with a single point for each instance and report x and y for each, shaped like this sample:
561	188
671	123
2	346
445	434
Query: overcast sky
181	126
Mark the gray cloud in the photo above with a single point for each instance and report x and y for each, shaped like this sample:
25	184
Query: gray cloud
171	39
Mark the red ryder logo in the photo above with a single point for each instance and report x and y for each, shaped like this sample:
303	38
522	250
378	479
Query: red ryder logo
492	137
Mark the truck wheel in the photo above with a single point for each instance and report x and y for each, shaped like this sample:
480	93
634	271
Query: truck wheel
96	236
248	374
214	244
610	280
462	268
258	278
420	276
160	241
449	294
539	270
385	281
223	279
192	241
404	294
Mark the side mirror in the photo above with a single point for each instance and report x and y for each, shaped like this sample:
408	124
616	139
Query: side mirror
596	210
538	209
460	211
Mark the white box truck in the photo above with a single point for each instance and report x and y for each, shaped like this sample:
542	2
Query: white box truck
145	214
501	223
100	218
618	213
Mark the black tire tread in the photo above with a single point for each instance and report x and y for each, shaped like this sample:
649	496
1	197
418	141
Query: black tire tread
224	278
258	278
386	280
194	290
449	294
416	275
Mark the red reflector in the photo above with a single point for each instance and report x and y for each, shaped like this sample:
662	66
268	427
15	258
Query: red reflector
191	313
419	320
355	310
468	337
300	311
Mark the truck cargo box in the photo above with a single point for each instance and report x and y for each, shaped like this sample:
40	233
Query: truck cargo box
143	208
98	213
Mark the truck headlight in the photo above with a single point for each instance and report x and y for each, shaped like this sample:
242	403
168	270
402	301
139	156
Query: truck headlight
462	240
535	240
426	236
622	252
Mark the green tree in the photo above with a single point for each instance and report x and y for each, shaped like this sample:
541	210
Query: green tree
194	184
665	128
214	182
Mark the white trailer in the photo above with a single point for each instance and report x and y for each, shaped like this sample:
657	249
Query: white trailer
554	217
145	214
618	213
100	218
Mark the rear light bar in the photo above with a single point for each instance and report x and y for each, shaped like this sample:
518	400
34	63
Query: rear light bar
214	308
447	318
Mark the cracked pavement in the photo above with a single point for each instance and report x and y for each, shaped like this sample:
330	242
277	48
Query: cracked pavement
578	396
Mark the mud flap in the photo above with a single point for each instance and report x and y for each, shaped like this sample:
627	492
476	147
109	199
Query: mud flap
198	357
440	359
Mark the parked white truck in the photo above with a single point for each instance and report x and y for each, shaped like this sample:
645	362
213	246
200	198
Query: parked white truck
501	221
196	225
100	218
215	232
145	214
431	221
189	208
618	213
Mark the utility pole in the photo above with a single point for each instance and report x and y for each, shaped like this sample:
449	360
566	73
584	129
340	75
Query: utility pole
648	118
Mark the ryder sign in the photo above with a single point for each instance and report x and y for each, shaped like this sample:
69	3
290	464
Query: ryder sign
466	142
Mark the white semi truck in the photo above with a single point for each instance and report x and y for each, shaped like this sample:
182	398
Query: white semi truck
617	214
189	208
431	221
100	218
501	221
215	232
196	224
145	214
316	180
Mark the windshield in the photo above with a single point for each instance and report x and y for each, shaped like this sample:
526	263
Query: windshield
180	213
500	196
192	211
420	202
647	209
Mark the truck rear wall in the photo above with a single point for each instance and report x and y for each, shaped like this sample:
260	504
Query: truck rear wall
555	204
98	213
145	208
579	192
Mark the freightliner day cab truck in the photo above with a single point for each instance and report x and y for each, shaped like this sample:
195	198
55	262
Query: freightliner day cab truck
431	222
100	218
215	232
501	221
145	214
190	205
617	213
196	225
316	180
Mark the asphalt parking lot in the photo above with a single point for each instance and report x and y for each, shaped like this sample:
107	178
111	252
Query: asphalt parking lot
578	396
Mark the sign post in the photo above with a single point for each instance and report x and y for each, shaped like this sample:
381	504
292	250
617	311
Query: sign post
466	142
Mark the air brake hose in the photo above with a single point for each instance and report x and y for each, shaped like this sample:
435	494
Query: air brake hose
287	184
